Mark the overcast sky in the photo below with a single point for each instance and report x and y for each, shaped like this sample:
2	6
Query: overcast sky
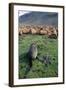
23	12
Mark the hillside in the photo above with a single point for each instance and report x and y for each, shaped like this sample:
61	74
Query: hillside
39	18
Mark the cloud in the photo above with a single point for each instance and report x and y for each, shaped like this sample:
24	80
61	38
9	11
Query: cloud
23	12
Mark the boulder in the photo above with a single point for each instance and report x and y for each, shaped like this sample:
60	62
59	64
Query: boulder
25	30
53	36
43	32
20	33
33	31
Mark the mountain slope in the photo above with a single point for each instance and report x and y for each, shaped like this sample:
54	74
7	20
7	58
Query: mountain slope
39	18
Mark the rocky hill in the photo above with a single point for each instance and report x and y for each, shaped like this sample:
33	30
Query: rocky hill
39	18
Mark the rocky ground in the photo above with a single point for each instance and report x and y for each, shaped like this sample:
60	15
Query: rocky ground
49	30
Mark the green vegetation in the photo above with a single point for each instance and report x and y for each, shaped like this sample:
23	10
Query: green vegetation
45	46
